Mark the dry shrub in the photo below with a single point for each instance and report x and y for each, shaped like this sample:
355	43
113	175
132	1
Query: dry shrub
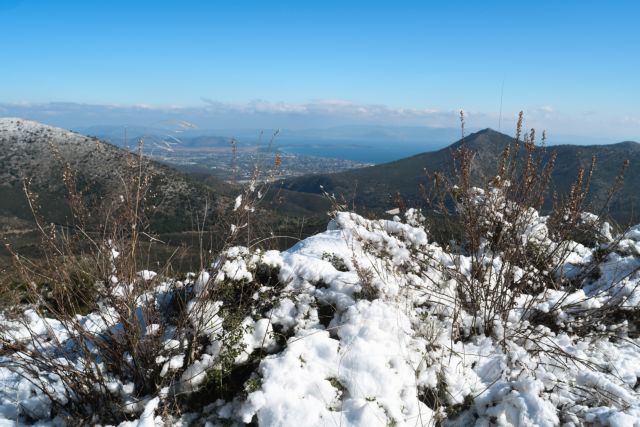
512	251
99	268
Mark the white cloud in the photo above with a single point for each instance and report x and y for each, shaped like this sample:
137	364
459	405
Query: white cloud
631	120
255	113
323	113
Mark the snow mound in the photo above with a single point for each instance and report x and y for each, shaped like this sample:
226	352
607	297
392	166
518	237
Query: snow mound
365	328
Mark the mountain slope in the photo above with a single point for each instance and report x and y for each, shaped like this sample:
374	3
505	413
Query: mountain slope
374	187
38	153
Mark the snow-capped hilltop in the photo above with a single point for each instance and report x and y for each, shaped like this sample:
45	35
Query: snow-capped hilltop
15	125
366	324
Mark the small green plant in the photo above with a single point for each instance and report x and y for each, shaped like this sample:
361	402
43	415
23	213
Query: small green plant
337	262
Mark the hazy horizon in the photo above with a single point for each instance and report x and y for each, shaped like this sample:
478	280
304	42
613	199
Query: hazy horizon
349	123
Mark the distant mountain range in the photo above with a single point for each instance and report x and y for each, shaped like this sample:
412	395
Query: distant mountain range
354	132
367	144
374	187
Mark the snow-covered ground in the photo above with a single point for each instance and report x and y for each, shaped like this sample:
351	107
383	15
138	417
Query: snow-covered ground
366	329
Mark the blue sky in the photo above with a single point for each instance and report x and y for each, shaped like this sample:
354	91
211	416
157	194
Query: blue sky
573	66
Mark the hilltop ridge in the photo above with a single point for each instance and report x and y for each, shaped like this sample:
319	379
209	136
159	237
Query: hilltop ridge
373	188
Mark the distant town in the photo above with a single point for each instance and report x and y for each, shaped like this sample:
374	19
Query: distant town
242	165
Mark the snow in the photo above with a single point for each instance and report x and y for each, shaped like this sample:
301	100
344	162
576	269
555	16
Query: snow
382	342
14	126
147	274
377	352
237	203
147	418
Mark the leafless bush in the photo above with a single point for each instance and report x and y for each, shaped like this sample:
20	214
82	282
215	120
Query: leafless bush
110	361
510	250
